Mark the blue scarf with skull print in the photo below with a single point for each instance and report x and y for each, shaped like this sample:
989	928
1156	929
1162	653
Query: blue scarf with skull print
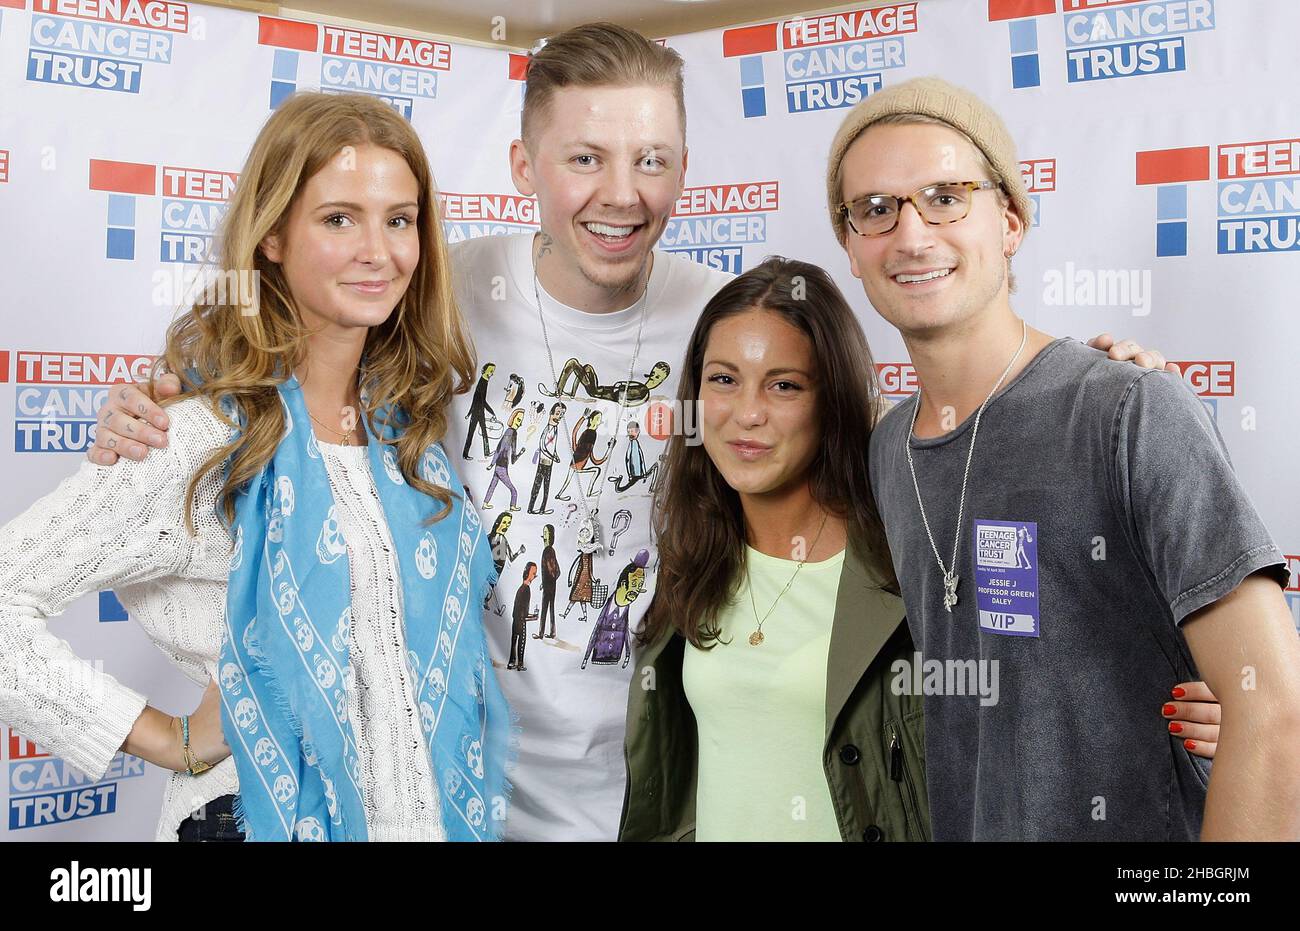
284	668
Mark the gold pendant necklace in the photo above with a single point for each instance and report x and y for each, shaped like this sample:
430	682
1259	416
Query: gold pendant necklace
757	636
346	437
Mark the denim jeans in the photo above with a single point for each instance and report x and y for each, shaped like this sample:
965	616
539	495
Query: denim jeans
215	822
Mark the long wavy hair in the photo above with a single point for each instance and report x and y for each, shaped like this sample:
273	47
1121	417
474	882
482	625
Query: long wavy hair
697	518
414	362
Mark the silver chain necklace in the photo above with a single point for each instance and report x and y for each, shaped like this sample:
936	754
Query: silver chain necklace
950	577
589	518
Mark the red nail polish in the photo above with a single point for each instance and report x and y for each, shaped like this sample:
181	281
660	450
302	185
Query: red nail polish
1189	744
1179	692
1167	710
1175	727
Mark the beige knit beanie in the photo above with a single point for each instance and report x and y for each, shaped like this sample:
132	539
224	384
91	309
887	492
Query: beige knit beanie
936	98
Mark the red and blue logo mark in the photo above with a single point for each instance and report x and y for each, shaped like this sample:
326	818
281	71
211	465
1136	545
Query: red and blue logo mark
1211	381
101	44
468	216
1104	39
712	224
826	62
194	201
57	396
396	69
1039	175
44	790
897	381
1258	193
110	609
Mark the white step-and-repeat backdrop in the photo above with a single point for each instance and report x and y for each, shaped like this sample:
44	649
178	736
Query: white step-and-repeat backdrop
1160	140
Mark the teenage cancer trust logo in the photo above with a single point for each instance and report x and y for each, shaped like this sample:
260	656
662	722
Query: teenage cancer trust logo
44	790
396	69
1212	381
1258	195
194	201
1039	175
468	216
826	62
1104	39
57	395
102	44
897	381
712	224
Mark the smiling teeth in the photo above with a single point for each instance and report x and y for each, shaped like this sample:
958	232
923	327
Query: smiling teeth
616	231
909	279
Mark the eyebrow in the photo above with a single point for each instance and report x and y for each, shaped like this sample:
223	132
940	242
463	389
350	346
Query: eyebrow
653	146
768	374
349	205
880	193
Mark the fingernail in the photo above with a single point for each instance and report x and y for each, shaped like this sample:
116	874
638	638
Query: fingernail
138	452
1189	744
160	422
1167	710
1175	727
1179	691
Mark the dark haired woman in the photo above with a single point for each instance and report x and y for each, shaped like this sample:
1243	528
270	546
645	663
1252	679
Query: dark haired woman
766	707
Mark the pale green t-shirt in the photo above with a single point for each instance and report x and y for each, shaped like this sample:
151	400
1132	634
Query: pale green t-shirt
761	710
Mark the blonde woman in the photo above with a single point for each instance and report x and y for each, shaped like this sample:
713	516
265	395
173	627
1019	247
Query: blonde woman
302	544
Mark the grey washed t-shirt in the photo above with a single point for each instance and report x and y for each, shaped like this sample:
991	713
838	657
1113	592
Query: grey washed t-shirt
1113	485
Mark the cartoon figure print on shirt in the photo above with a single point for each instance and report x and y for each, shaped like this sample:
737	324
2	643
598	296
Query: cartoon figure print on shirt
504	457
585	461
628	393
479	410
546	455
600	434
550	576
581	577
501	550
635	462
520	618
609	638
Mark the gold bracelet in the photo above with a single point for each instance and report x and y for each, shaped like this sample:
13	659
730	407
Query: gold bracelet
192	763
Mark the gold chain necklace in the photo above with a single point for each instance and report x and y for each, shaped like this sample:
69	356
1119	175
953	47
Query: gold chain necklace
757	636
346	437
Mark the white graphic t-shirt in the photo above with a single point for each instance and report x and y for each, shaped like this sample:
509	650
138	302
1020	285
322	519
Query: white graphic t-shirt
530	455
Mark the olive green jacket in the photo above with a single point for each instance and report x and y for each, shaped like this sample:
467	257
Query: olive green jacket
874	748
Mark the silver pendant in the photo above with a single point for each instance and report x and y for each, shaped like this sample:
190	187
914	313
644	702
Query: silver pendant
949	591
593	527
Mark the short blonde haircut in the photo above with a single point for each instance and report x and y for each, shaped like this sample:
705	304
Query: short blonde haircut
598	55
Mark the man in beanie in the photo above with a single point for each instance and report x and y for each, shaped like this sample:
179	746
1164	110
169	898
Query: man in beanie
1065	523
